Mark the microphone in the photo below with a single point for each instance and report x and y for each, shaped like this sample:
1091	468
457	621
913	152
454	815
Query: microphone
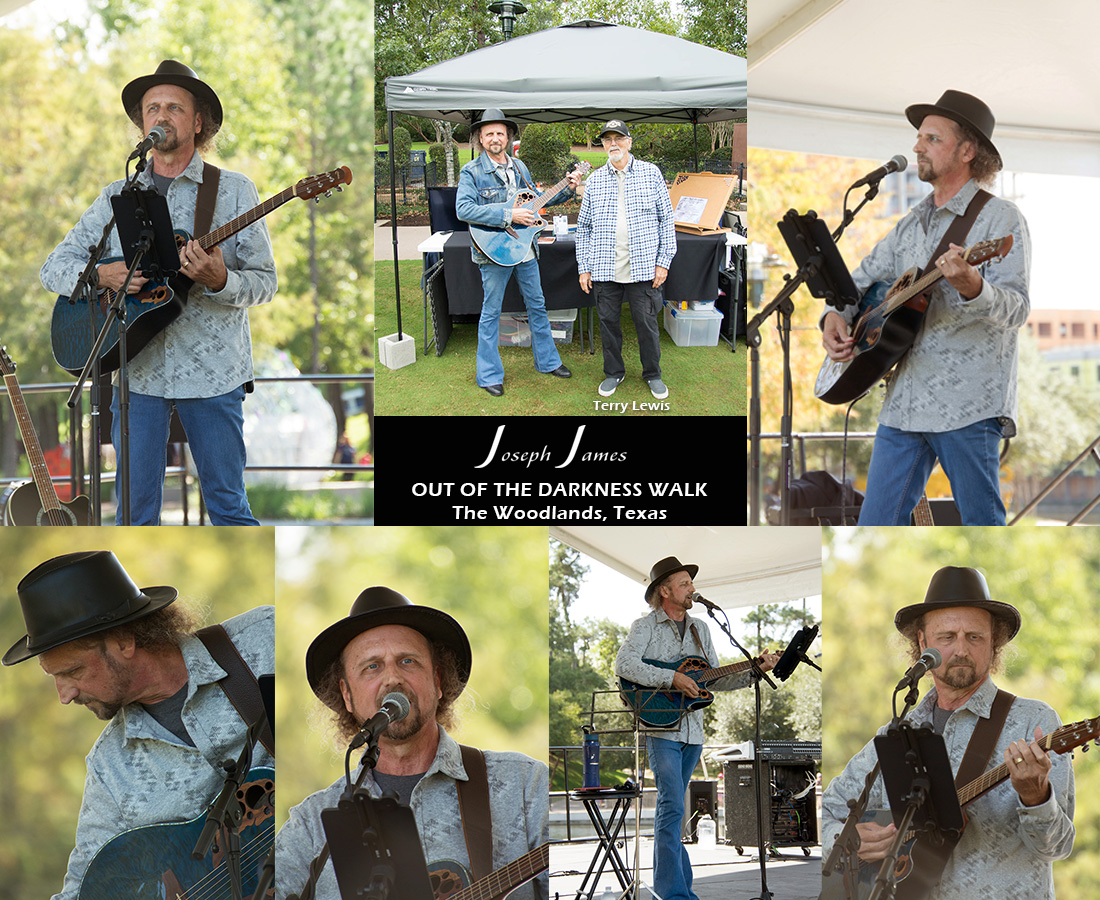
395	706
929	659
156	135
896	164
699	598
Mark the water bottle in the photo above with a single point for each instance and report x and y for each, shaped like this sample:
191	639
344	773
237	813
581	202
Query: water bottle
705	831
591	758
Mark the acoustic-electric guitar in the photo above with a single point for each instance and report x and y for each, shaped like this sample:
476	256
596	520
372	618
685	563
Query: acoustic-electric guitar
36	502
889	319
508	246
74	327
920	863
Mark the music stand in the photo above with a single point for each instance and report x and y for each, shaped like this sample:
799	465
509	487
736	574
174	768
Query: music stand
917	774
145	232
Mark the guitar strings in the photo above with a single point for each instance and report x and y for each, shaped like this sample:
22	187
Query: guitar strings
217	881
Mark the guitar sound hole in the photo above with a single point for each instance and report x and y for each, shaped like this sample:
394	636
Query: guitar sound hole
64	511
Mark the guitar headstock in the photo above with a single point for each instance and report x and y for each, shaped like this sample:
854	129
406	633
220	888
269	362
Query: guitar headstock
312	186
7	367
983	251
1074	735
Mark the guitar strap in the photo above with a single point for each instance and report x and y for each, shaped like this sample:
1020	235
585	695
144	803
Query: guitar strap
983	740
207	199
473	804
240	685
699	644
957	231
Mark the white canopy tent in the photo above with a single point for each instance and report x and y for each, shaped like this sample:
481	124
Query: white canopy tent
834	76
738	566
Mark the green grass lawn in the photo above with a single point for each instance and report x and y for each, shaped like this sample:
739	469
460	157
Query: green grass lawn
702	381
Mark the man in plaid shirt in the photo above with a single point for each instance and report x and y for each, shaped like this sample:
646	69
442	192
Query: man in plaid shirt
625	244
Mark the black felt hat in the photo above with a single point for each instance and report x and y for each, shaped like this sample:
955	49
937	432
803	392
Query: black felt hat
490	116
954	586
384	606
170	72
959	107
662	569
77	595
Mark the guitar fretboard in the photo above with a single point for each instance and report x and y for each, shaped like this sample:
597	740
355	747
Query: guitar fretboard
544	198
39	471
507	877
723	671
245	219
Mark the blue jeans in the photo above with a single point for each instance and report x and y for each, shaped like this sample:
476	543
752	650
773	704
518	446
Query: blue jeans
215	434
901	462
672	763
494	279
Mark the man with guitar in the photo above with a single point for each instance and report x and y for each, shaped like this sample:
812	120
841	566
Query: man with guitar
953	394
201	363
487	189
625	243
1014	832
170	698
666	635
482	811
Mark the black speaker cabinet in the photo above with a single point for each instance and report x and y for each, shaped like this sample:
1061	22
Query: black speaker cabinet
701	800
789	810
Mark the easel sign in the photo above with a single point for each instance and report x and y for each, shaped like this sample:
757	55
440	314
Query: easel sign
698	201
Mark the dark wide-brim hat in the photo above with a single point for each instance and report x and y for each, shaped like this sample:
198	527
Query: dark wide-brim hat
384	606
959	107
954	586
662	569
491	116
170	72
77	595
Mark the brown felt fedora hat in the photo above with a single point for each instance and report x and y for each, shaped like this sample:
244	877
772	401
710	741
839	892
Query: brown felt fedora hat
170	72
959	107
665	567
954	586
77	595
384	606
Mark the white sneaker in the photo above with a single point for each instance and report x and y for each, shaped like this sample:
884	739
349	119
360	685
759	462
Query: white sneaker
657	388
608	385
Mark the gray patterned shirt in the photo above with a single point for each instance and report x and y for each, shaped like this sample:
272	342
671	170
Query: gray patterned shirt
519	804
1007	848
207	351
656	637
139	773
961	368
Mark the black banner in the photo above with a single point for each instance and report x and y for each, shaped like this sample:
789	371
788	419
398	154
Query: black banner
674	471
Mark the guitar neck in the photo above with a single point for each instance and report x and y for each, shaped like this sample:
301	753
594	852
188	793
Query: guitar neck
722	671
922	512
242	221
39	471
508	877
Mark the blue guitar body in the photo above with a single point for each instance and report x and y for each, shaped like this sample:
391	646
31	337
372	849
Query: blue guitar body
74	328
663	709
509	246
154	862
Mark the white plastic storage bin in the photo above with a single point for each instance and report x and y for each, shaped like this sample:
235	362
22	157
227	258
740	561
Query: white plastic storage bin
693	327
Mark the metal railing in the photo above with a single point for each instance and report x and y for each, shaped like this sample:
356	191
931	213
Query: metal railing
79	481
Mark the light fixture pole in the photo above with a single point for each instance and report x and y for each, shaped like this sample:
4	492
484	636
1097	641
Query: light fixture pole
508	10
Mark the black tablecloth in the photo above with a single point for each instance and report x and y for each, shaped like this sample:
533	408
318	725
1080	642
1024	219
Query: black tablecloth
692	276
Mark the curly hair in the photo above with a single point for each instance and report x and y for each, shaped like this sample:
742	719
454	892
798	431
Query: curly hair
986	163
1001	636
156	632
346	725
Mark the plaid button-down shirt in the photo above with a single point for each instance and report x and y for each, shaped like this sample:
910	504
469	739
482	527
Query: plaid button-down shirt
649	218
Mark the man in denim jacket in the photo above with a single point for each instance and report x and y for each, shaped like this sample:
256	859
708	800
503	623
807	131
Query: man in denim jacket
486	187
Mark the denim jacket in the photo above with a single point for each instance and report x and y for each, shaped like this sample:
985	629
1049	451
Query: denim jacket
483	199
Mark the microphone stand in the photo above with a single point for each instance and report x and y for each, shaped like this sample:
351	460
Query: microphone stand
758	674
821	268
227	812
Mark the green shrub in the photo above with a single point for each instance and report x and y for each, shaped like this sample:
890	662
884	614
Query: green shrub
545	150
